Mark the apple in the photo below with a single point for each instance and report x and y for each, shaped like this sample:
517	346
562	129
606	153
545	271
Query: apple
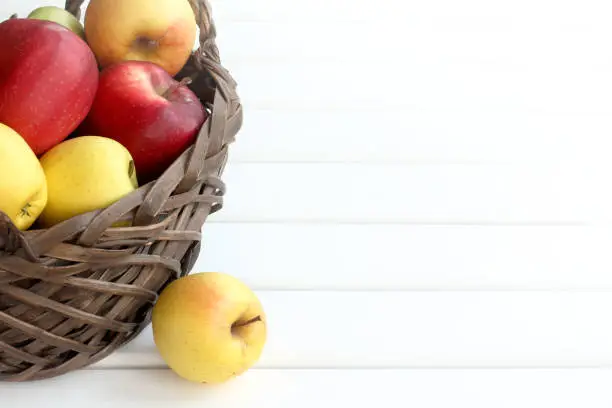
146	110
23	188
209	327
60	16
48	80
85	174
160	31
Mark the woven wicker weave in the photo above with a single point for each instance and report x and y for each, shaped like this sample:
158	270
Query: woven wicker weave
72	294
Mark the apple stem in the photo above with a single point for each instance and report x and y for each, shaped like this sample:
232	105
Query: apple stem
253	320
183	82
131	168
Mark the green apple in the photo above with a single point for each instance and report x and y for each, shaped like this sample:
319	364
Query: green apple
60	16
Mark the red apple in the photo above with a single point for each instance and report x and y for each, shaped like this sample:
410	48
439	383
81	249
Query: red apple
145	109
48	80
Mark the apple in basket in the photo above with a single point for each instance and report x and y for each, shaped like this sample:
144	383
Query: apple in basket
49	78
23	187
142	107
160	31
85	174
60	16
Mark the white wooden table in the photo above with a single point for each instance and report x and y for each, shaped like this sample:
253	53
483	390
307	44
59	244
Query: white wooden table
421	196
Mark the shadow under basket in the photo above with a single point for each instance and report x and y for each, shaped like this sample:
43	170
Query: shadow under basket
72	294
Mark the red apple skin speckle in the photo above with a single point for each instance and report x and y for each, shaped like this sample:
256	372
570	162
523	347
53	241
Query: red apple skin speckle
48	80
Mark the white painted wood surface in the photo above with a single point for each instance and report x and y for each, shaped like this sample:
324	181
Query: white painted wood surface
395	388
417	194
421	198
411	257
420	329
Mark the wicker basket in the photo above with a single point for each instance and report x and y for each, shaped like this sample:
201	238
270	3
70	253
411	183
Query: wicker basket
72	294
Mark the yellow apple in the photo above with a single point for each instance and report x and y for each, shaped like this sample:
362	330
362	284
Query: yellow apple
159	31
209	327
23	188
60	16
84	174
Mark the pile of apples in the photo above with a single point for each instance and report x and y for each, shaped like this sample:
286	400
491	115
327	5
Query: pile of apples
88	112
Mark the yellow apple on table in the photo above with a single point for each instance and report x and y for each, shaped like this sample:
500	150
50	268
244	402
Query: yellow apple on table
159	31
84	174
23	188
209	327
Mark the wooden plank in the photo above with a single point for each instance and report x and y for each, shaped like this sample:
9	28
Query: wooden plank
424	57
327	388
422	329
430	87
440	99
415	193
415	136
434	38
275	10
523	14
410	257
